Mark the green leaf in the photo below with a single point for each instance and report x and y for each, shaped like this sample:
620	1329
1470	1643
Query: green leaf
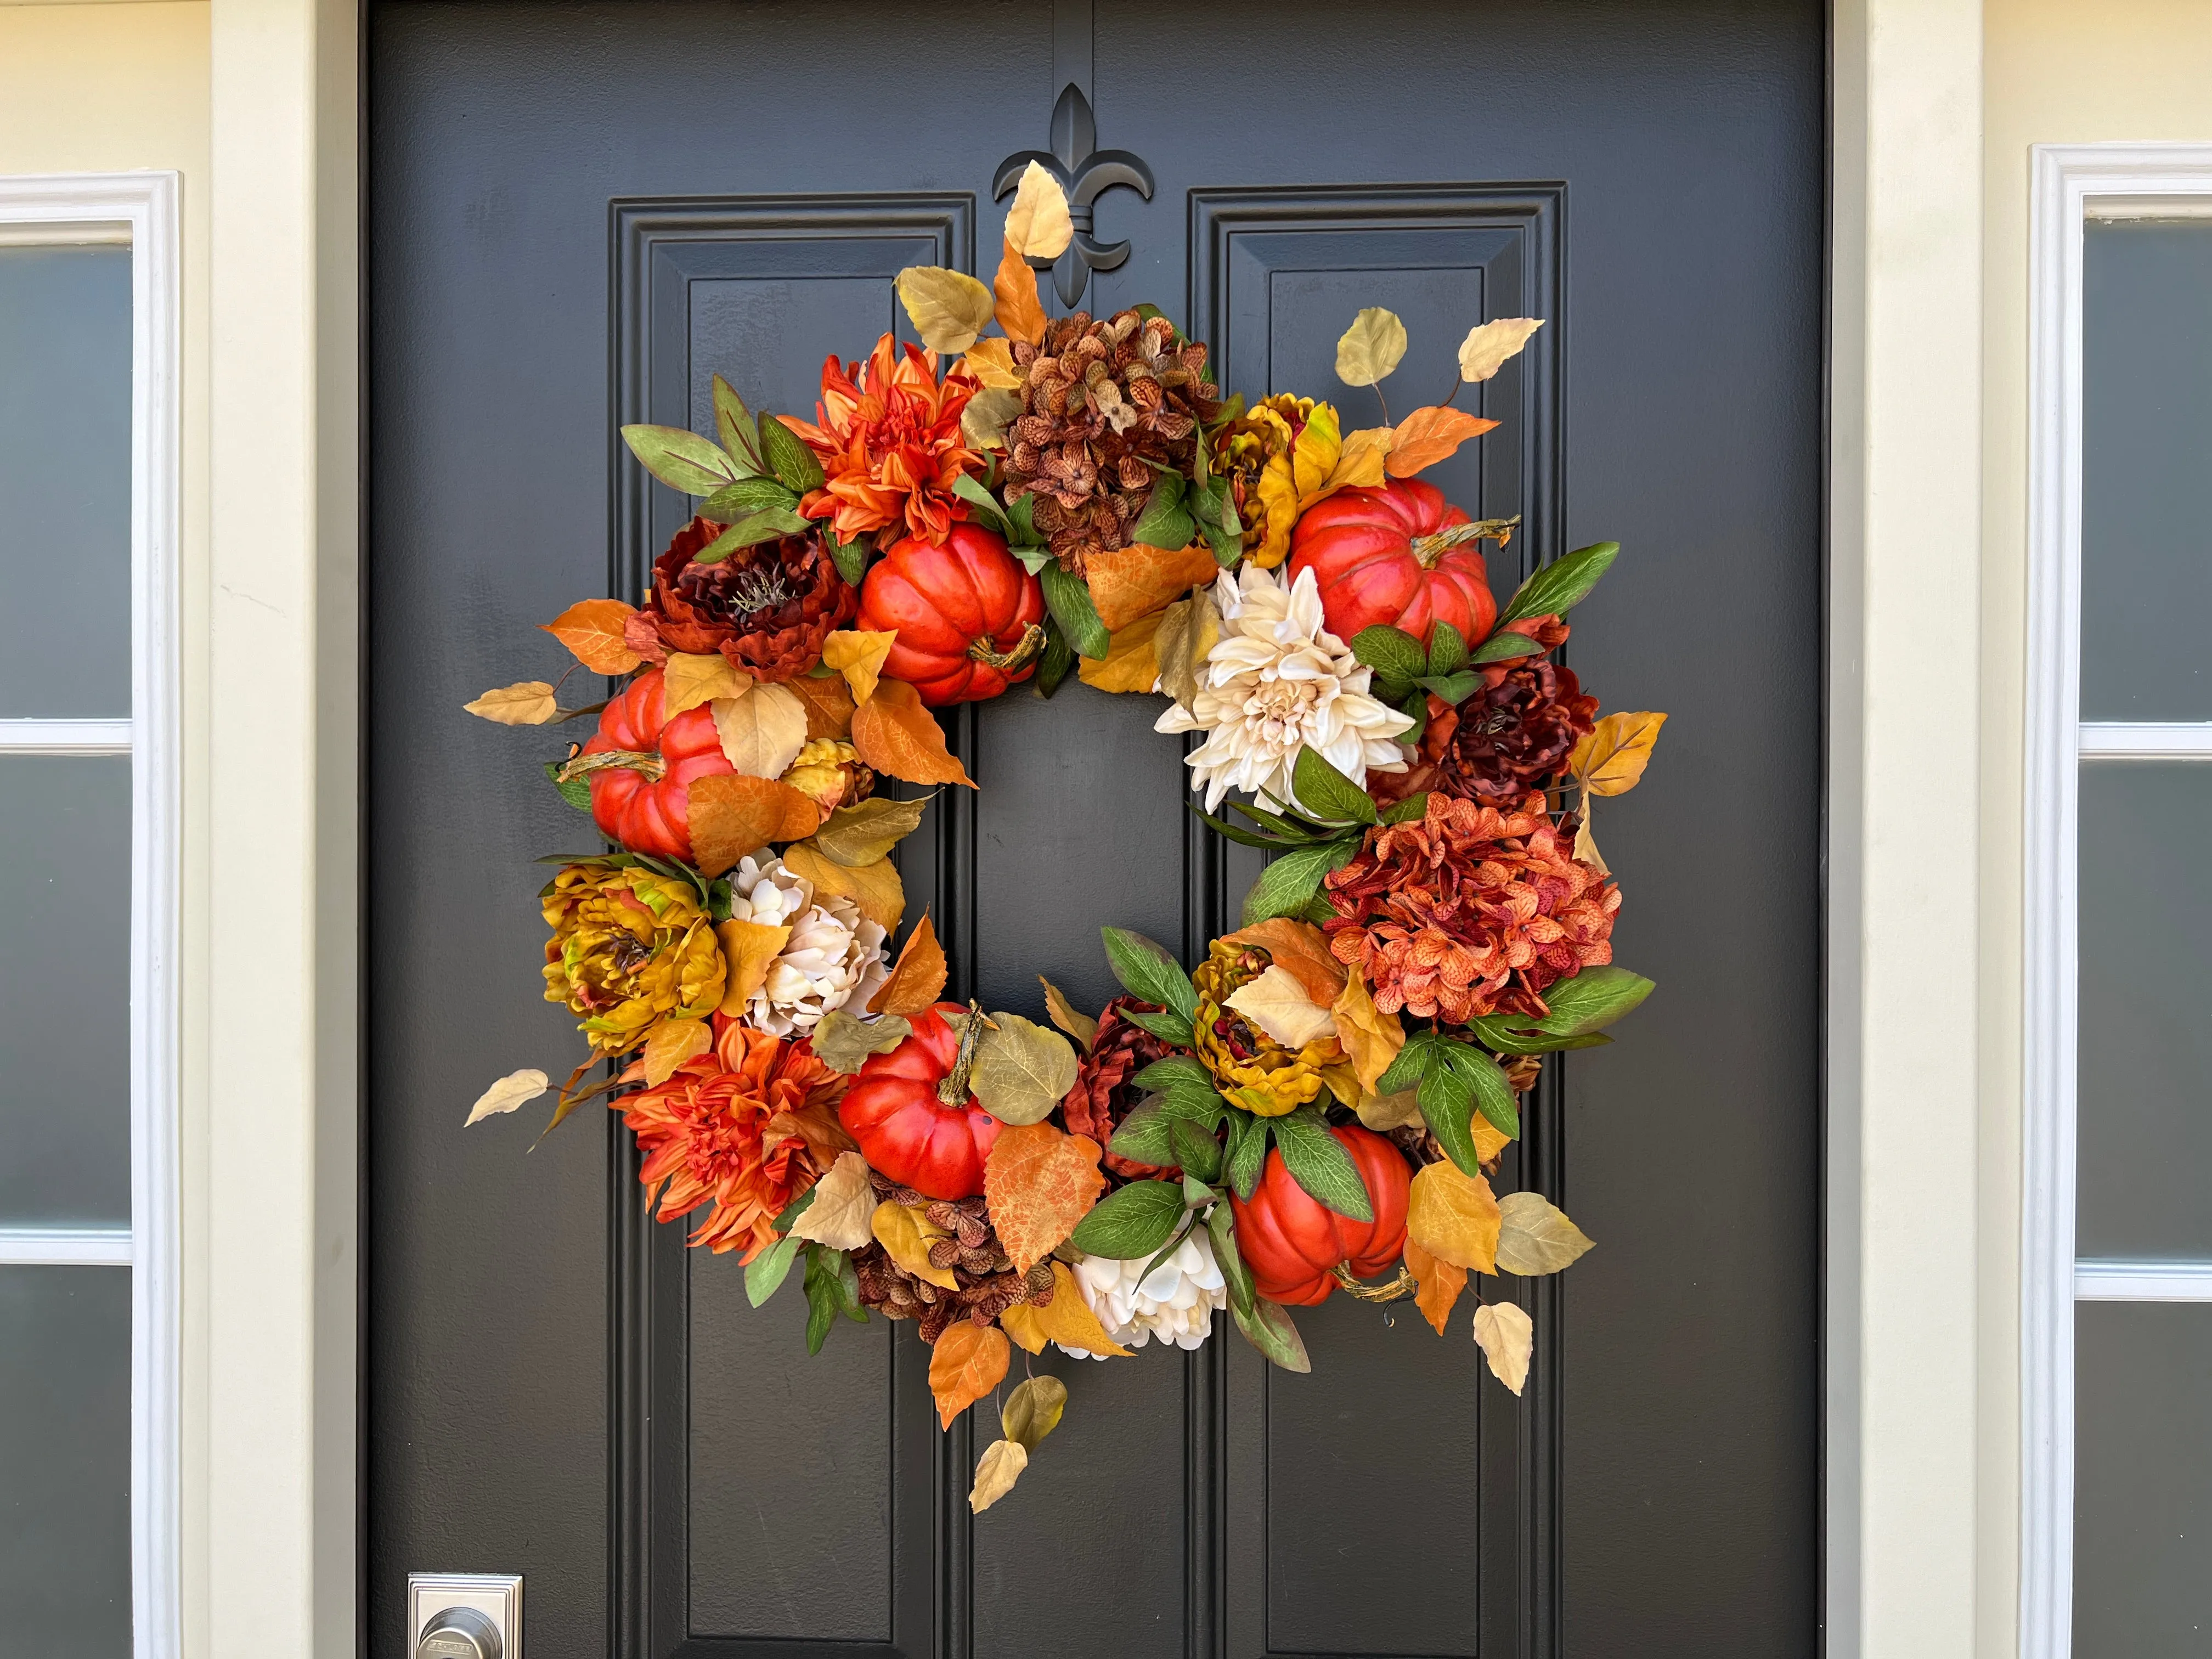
1248	1152
968	490
1326	793
821	1299
1290	829
681	461
788	457
748	495
1068	598
754	527
1269	1328
1146	1135
1454	689
1165	522
1447	650
1411	1065
1053	665
1505	646
765	1272
1032	1410
1175	1238
577	792
1286	886
1196	1150
1021	520
740	432
1230	832
717	899
1593	999
1129	1224
793	1211
851	557
847	1286
1415	706
1408	811
1390	652
1169	1071
1494	1095
1221	1224
1447	1103
1497	1033
1167	1026
1148	972
1317	1162
1564	582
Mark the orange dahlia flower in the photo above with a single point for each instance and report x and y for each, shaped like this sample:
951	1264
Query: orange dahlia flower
746	1127
1470	909
890	443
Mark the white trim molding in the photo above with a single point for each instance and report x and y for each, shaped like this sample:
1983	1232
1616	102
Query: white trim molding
2073	184
2149	1281
140	209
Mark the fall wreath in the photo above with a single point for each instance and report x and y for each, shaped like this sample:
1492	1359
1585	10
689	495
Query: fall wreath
1320	1102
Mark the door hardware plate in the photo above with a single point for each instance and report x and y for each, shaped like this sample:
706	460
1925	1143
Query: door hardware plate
497	1595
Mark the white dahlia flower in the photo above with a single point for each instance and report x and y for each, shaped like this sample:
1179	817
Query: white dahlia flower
834	955
1175	1302
1276	682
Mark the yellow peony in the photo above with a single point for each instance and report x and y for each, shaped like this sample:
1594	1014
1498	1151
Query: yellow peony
630	950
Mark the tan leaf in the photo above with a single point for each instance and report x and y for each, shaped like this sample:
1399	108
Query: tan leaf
510	1093
762	732
1025	1325
1371	348
895	733
1038	1183
876	888
593	630
1188	629
1019	309
1610	759
527	702
1381	1112
1454	1216
1441	1282
985	417
950	308
1038	224
1131	663
1068	1321
993	360
1362	462
844	1207
1586	843
1278	1004
1537	1237
906	1236
867	830
917	977
858	654
816	1125
1300	947
1489	345
843	1044
828	702
687	681
673	1042
1133	581
1508	1337
1081	1027
1429	435
1022	1070
996	1471
1371	1037
1033	1410
968	1361
732	816
747	949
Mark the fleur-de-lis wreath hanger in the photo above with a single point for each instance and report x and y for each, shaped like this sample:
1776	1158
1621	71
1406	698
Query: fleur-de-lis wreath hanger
1085	172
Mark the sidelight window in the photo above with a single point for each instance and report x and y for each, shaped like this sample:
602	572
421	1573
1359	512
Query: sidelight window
87	854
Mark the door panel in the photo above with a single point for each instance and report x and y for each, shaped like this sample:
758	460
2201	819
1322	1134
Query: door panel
579	212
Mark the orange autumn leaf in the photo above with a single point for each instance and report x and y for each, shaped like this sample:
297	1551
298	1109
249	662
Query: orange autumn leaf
1299	949
1441	1282
828	702
592	630
733	815
672	1044
748	948
917	978
876	888
969	1362
1132	662
1133	581
1039	1182
1429	435
1019	312
895	733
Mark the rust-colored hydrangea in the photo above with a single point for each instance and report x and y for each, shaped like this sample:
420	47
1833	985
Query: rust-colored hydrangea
1103	1095
1470	910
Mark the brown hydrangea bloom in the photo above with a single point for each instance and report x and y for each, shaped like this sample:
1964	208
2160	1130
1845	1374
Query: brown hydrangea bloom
1470	910
985	1282
767	607
1513	735
1103	1095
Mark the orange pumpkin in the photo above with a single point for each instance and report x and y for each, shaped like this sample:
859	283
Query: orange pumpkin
1291	1240
1399	555
645	806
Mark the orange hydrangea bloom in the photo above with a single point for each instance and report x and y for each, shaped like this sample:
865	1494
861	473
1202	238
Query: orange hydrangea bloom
890	443
746	1127
1469	910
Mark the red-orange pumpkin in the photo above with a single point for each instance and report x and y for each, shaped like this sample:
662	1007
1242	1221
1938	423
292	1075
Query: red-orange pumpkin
1289	1241
647	814
969	619
906	1128
1388	555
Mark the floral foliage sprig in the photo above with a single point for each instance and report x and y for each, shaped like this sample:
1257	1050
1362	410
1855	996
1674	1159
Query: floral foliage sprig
1327	1096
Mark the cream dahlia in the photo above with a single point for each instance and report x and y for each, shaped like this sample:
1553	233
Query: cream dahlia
1175	1302
834	955
1275	683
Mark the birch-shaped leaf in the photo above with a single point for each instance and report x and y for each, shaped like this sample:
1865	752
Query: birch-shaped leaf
950	308
510	1093
842	1213
1536	1237
1508	1338
527	702
1490	346
1371	348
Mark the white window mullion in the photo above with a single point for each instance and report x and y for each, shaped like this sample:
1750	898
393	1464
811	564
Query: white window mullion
2146	740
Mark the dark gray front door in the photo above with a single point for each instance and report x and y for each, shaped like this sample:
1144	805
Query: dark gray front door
578	212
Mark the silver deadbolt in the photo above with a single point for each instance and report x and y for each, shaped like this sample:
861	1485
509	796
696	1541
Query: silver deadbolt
463	1615
459	1633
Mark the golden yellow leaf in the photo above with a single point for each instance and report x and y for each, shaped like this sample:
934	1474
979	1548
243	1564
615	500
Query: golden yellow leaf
950	308
868	829
762	732
748	949
1489	1138
1371	1037
1019	309
1300	947
967	1363
687	681
917	978
1363	461
732	816
1068	1321
895	733
673	1042
1039	1181
1489	345
1038	224
993	362
593	630
1454	1216
1295	479
1383	1112
1187	630
828	702
1276	1003
1130	662
858	654
984	419
1429	435
1001	1465
844	1207
1371	348
527	702
906	1236
1508	1337
1133	581
1610	759
510	1092
1025	1324
1441	1282
1081	1027
876	888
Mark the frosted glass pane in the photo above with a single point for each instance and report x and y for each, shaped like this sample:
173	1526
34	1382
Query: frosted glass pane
65	1462
64	990
65	482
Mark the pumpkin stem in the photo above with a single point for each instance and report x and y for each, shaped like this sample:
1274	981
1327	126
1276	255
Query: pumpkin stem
1403	1285
654	767
1427	550
952	1088
1009	662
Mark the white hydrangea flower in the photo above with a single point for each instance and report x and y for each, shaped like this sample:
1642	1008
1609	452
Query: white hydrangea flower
1175	1302
1276	682
834	955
